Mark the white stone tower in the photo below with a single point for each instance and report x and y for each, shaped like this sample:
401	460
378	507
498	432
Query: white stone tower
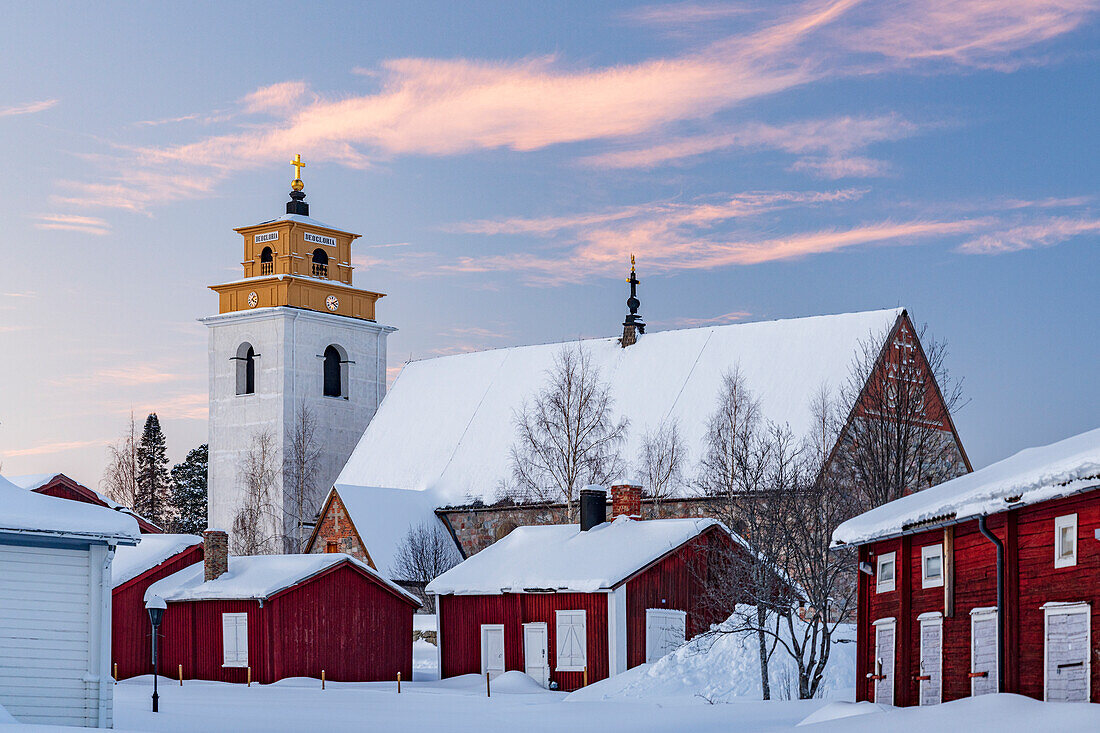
293	335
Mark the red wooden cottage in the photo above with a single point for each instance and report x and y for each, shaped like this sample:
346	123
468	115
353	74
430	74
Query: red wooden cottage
134	569
284	616
988	582
565	602
61	486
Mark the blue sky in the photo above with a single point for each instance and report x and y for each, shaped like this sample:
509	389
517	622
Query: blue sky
502	160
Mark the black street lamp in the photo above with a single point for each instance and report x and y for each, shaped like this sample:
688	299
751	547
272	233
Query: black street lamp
156	607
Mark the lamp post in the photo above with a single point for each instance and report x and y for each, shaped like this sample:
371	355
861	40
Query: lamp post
156	607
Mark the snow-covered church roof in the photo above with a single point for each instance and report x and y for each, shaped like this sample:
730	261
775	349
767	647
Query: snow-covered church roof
560	557
447	424
1030	476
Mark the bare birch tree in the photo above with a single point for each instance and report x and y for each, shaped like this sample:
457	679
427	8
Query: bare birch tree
120	478
662	460
896	437
567	436
426	552
256	528
301	463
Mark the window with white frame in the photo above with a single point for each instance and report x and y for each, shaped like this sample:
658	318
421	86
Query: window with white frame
931	566
1065	541
884	576
234	639
570	638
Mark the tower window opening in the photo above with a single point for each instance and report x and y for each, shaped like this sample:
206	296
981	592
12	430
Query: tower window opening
320	263
267	263
335	372
246	369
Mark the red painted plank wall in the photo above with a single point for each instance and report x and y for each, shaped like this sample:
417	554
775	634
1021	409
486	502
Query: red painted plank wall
1031	581
461	618
130	643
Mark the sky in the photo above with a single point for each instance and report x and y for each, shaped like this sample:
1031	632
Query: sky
502	160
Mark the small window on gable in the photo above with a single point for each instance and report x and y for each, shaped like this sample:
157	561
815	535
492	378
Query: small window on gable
1065	541
931	566
332	546
234	639
884	577
246	369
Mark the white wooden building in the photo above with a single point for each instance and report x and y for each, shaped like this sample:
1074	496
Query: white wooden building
55	607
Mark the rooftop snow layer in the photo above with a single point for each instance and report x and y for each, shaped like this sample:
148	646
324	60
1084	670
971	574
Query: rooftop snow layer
33	481
255	577
1030	476
26	512
153	549
447	423
301	220
384	516
561	557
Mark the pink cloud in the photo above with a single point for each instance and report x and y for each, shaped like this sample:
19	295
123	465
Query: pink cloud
73	223
195	406
275	98
28	108
1045	233
47	448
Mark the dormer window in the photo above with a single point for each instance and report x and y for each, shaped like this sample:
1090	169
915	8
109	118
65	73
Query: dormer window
267	261
320	263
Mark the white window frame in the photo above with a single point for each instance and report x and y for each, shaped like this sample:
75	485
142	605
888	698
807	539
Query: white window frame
926	552
1069	521
882	586
1052	609
572	666
233	620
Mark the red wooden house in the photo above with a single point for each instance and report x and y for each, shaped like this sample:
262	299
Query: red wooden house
569	604
280	616
988	582
134	569
63	487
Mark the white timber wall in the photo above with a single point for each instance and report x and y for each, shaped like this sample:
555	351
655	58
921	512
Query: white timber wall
290	344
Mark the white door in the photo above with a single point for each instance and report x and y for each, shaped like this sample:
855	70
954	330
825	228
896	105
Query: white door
665	631
1066	653
884	663
492	649
535	661
931	660
983	651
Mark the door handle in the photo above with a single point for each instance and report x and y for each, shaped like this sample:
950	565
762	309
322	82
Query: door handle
1070	665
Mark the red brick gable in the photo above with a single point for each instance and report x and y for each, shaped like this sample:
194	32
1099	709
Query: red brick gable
336	530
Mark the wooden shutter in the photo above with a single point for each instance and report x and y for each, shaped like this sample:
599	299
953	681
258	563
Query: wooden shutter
234	639
571	637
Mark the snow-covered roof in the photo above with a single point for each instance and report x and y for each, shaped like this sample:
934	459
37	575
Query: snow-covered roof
560	557
32	481
256	577
447	423
29	513
153	549
301	220
384	516
1029	477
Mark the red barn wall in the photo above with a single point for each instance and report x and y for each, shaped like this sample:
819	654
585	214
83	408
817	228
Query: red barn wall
461	617
1031	581
130	644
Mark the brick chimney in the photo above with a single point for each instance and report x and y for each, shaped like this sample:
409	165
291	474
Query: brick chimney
215	547
626	499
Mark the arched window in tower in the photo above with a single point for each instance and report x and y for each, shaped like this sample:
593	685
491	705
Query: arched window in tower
267	261
335	372
320	263
246	369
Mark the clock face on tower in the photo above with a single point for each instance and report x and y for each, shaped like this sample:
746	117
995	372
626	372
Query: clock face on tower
253	299
332	303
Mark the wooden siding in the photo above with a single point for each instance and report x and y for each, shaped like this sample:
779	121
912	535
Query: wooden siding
130	644
343	621
1031	580
461	617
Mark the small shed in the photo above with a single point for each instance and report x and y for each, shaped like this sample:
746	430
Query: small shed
55	607
278	616
133	571
573	603
988	582
61	486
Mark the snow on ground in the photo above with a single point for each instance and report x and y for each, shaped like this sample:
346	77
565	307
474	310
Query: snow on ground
425	654
725	667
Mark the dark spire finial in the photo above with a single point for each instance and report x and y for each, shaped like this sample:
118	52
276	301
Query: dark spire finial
297	203
633	325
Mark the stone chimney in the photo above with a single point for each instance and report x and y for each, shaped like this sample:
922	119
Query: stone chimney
215	547
593	507
633	326
626	500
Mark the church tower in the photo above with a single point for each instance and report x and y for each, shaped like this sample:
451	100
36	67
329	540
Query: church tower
293	344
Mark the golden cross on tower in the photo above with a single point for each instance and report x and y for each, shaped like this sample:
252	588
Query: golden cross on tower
298	166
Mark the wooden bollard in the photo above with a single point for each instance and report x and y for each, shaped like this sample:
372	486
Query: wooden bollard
322	679
116	673
585	683
398	683
181	675
249	677
488	693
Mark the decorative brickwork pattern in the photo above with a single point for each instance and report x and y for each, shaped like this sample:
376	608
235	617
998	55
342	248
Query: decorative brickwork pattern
336	531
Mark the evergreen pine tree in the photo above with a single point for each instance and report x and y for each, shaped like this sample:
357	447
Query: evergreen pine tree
189	492
152	499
